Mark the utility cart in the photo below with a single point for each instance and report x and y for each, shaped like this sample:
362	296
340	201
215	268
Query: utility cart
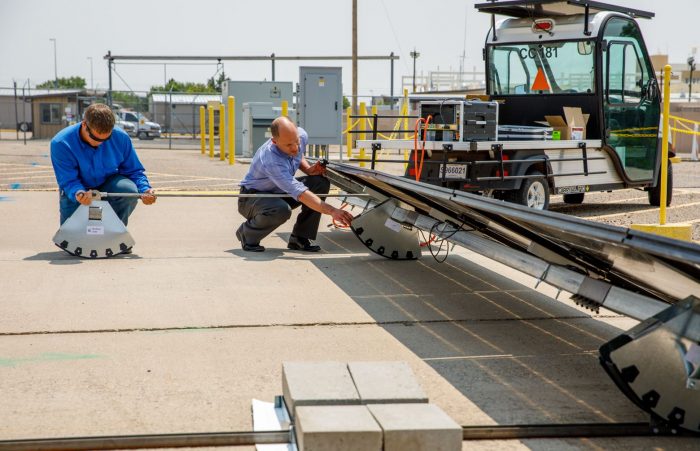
576	102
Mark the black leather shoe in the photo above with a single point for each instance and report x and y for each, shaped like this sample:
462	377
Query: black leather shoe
248	247
302	244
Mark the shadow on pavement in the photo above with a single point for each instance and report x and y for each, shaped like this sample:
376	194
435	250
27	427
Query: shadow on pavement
519	356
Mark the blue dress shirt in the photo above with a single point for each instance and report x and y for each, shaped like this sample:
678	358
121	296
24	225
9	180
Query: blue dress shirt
272	170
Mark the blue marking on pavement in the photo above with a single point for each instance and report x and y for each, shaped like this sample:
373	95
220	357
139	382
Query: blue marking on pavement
5	199
15	185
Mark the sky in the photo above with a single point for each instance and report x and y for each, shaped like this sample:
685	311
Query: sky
442	31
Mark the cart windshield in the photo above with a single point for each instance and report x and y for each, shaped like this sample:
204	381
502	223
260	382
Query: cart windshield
542	68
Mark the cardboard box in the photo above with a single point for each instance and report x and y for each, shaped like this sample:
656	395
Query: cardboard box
570	127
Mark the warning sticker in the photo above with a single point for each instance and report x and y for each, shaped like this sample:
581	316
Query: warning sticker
321	82
541	83
95	230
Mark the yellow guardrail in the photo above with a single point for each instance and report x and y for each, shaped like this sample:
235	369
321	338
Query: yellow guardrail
364	125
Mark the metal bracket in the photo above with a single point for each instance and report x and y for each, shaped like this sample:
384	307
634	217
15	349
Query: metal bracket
656	365
385	236
375	148
584	151
586	14
94	231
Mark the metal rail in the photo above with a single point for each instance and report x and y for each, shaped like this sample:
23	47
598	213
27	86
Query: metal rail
210	439
148	441
256	195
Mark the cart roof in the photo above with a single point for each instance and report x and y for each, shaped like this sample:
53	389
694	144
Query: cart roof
553	8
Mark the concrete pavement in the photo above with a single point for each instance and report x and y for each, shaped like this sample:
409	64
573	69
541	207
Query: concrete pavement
181	335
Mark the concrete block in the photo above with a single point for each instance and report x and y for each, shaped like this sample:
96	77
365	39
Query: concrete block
337	428
386	382
417	427
317	383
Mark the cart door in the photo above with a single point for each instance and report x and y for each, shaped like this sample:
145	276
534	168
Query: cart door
631	99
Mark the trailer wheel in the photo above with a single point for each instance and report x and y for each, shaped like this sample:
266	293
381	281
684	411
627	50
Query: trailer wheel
655	192
575	198
533	193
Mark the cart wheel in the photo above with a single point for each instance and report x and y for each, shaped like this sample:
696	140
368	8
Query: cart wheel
576	198
533	193
655	192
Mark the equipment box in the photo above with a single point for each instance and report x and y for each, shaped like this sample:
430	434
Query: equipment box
480	121
460	120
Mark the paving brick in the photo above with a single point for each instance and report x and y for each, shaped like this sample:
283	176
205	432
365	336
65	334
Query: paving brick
317	383
417	427
337	428
386	382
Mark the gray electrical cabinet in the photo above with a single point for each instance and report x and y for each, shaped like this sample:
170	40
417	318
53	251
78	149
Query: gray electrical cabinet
320	103
255	125
255	91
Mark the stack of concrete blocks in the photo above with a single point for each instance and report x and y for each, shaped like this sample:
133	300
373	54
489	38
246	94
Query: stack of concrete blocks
364	406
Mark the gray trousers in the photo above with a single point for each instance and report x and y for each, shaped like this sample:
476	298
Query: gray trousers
265	214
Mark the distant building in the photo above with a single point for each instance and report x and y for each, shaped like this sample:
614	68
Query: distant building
179	113
42	111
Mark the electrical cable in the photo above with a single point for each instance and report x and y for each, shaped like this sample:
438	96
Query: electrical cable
419	168
434	240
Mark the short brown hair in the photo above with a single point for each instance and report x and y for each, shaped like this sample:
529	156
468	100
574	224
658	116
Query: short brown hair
99	117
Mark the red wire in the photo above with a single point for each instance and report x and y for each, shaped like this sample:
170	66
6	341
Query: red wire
419	169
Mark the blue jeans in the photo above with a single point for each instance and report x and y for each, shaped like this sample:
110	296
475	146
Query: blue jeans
122	206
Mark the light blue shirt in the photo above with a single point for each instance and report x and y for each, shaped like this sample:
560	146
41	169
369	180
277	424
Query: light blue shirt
79	167
272	171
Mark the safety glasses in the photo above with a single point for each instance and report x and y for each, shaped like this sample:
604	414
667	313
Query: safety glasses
95	138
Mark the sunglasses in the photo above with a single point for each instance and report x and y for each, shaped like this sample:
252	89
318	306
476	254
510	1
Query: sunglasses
95	138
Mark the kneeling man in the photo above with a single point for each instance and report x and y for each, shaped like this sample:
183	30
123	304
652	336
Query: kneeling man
272	171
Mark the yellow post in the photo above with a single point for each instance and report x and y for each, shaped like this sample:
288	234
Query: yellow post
222	132
285	108
203	127
231	130
362	127
348	135
404	112
211	132
664	144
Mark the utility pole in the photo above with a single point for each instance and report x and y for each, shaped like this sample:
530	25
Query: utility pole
691	65
354	58
92	80
55	66
414	55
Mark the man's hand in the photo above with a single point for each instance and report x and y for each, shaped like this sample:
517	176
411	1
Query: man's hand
341	216
85	198
148	197
316	169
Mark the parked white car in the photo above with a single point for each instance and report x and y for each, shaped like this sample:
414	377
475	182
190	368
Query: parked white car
128	127
143	128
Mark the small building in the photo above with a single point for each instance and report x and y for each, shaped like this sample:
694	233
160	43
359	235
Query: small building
53	110
15	110
179	112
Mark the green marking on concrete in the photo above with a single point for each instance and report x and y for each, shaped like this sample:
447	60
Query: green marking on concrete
47	357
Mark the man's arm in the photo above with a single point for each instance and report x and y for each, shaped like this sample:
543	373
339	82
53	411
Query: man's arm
315	203
132	168
65	168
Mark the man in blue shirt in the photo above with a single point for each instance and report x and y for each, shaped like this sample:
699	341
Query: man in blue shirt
272	171
95	155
